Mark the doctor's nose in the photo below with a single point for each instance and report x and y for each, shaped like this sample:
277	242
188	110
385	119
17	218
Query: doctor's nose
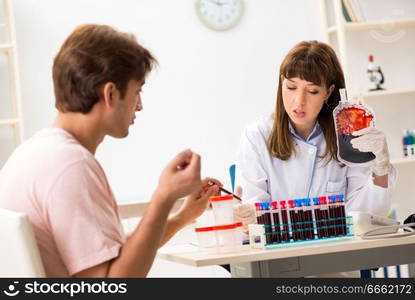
300	98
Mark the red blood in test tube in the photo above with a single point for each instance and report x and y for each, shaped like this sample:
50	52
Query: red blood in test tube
332	217
324	214
276	222
300	219
341	212
317	216
258	213
293	220
285	236
308	219
267	222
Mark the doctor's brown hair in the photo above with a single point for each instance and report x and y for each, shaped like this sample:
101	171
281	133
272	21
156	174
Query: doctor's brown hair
91	56
315	62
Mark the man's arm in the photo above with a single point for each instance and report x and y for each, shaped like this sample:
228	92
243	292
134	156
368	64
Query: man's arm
193	206
180	177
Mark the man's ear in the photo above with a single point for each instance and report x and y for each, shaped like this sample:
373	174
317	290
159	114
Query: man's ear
108	93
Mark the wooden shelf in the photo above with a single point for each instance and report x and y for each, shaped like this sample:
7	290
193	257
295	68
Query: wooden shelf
9	122
387	93
402	161
362	26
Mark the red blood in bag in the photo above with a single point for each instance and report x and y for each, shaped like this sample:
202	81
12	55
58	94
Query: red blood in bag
352	119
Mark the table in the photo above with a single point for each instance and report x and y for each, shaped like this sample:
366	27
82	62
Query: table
307	260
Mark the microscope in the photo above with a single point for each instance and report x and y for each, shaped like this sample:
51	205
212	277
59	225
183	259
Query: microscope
375	74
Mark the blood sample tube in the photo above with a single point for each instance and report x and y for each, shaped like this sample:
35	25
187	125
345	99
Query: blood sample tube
285	235
317	217
332	223
308	219
293	220
258	213
298	208
324	213
267	221
341	213
276	222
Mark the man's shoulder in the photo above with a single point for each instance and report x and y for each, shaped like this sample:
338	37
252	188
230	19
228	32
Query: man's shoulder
51	148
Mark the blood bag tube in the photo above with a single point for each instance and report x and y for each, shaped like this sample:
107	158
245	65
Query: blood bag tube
285	234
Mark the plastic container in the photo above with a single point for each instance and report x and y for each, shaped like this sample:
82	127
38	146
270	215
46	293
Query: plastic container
229	236
349	117
222	237
223	209
206	237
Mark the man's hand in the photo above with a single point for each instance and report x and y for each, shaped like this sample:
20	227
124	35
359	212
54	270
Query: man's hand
180	177
195	204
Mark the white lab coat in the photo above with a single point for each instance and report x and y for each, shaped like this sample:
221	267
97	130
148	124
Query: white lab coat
267	178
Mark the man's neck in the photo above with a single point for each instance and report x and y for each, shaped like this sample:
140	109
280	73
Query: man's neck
86	130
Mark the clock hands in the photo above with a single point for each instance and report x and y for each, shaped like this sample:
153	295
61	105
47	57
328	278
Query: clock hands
218	3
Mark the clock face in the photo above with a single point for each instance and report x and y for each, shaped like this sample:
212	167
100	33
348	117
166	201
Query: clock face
219	14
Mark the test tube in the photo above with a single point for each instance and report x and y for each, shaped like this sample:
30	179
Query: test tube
316	217
308	219
267	221
285	236
298	208
333	230
276	222
341	213
258	213
293	220
324	214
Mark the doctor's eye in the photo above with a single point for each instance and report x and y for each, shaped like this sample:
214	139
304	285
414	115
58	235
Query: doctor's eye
291	87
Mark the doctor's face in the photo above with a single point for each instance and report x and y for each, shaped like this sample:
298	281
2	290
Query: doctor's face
303	101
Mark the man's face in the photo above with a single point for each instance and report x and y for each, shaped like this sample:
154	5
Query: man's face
125	109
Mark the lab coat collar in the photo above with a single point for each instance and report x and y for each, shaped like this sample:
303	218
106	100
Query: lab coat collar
315	133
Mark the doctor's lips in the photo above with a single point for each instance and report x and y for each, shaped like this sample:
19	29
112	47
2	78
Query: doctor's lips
226	191
298	113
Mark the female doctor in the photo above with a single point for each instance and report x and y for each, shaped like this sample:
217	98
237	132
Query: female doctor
293	154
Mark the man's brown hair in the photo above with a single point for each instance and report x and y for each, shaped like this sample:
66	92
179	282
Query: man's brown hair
315	62
91	56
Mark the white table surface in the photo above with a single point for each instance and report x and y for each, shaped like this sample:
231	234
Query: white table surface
191	255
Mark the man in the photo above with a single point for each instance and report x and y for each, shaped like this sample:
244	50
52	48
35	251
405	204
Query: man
55	179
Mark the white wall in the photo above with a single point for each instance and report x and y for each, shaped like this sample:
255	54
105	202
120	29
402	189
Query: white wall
209	85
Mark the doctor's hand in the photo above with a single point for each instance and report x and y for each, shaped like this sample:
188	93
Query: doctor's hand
371	139
195	204
244	213
181	177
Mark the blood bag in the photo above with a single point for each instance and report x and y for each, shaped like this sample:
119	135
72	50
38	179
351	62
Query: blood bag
349	117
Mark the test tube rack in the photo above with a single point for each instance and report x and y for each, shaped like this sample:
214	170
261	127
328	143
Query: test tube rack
302	222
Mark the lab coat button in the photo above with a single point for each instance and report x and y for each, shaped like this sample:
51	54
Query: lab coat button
311	151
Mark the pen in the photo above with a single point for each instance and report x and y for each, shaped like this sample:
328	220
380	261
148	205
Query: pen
226	191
